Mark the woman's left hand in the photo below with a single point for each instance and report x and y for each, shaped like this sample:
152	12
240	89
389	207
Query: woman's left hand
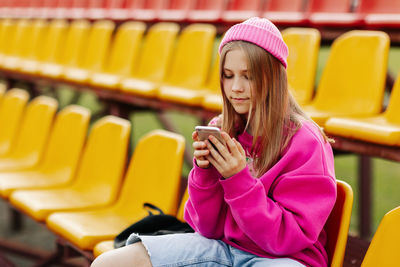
228	159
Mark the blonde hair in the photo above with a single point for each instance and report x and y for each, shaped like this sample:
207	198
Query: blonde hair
274	114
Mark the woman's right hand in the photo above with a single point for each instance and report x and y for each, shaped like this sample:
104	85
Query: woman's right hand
200	151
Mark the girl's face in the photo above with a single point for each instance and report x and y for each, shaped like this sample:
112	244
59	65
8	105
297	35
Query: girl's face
236	81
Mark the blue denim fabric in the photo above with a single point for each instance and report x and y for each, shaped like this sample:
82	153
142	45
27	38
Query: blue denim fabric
195	250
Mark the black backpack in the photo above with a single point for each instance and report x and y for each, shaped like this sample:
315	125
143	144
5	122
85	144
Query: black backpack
153	224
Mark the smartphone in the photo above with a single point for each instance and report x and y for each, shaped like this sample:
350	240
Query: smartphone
205	131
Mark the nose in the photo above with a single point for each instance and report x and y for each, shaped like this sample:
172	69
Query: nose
237	85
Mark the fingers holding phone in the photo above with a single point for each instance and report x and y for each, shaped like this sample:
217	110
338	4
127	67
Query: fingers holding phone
200	151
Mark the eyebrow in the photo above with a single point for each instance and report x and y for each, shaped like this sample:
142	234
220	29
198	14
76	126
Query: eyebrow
245	70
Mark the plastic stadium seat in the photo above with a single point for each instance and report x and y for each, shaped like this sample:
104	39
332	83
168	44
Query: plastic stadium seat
77	10
8	29
287	12
28	46
12	107
303	44
175	10
3	89
94	53
98	178
15	44
190	66
144	182
123	54
32	135
337	226
206	11
107	245
69	52
382	129
46	49
118	9
60	158
144	10
213	98
353	80
332	13
381	13
240	10
384	247
153	62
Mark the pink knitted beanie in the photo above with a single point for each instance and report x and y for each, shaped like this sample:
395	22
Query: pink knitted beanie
261	32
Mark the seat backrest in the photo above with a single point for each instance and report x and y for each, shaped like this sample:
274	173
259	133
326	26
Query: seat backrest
71	51
37	32
35	129
150	177
18	39
303	44
156	54
12	107
330	6
101	166
213	81
192	58
48	48
211	5
125	48
353	80
181	209
393	109
284	6
384	247
95	50
66	140
337	226
379	6
244	5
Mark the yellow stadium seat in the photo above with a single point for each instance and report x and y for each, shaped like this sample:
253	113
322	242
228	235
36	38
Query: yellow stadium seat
144	182
3	89
98	177
190	66
107	245
47	48
32	135
69	52
60	158
12	107
353	80
303	44
382	129
213	97
94	53
123	54
28	45
8	30
154	60
384	247
337	226
18	44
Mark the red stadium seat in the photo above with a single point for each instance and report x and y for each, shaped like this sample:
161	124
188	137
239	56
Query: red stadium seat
332	12
206	11
240	10
144	10
286	12
381	13
175	10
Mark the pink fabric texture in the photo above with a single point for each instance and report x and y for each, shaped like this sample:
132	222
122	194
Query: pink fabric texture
280	214
261	32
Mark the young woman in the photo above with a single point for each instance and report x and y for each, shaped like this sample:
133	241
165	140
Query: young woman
263	197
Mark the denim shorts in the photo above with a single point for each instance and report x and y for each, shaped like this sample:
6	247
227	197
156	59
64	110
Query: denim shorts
192	249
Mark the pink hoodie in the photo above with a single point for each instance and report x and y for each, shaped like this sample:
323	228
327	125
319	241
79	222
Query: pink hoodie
281	214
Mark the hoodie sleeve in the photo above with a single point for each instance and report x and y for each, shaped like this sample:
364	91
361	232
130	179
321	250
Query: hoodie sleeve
205	210
285	210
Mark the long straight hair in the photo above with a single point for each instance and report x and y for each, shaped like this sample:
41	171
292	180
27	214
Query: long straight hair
274	114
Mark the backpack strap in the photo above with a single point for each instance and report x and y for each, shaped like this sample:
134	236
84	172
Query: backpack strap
151	208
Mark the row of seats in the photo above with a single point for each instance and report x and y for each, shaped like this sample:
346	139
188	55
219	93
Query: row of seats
49	163
350	13
77	185
173	65
51	170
